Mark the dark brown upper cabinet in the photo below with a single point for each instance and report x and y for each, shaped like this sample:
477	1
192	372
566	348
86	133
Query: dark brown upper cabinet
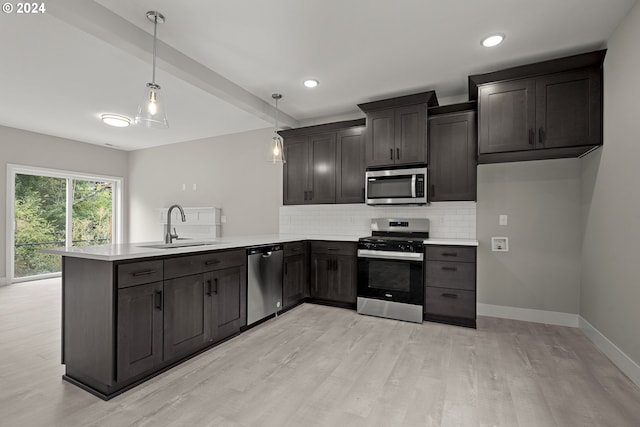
350	168
396	131
551	109
452	153
324	164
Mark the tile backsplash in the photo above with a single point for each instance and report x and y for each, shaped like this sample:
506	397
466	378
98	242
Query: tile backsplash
448	219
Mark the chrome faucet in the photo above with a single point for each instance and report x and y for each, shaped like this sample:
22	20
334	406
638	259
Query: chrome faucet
169	236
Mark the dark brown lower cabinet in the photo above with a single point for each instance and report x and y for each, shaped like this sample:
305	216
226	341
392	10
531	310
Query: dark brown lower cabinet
140	316
123	323
334	272
450	285
295	278
228	302
187	315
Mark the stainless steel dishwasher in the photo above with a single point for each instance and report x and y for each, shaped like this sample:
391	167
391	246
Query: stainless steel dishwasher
264	281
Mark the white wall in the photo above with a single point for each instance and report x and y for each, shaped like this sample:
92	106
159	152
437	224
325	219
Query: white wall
35	149
610	297
230	172
541	271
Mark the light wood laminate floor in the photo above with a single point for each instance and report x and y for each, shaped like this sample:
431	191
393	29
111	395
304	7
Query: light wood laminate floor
324	366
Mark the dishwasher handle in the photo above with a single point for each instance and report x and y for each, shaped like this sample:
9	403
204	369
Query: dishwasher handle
266	251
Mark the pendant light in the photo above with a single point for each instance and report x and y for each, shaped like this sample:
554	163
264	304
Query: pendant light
151	111
277	150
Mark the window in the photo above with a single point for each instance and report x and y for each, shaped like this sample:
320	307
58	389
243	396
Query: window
51	208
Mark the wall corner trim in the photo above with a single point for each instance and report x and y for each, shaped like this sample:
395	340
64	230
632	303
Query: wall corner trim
630	368
529	315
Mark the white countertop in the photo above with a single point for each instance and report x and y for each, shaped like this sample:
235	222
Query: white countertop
136	250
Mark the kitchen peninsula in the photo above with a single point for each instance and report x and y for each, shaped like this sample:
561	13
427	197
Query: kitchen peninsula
131	311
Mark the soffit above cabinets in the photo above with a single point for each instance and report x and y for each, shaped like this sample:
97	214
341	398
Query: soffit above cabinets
219	62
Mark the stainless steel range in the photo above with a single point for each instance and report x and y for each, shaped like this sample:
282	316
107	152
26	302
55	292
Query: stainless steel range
391	269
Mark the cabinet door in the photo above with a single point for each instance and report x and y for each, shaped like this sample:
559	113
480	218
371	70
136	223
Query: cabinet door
343	280
229	304
411	134
139	329
506	116
294	280
452	157
187	315
569	109
350	167
380	138
323	164
296	171
320	275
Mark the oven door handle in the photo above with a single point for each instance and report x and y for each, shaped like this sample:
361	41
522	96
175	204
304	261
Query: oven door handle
400	256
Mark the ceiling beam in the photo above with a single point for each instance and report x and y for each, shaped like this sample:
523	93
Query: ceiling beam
100	22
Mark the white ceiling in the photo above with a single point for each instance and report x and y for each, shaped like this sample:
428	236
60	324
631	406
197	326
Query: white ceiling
220	61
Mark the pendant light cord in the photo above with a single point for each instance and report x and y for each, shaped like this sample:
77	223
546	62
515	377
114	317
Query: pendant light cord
155	29
276	131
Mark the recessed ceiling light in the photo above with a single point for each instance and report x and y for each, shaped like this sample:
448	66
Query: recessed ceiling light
116	120
311	83
493	40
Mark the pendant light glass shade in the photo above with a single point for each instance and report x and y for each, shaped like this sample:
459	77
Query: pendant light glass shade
151	112
276	153
277	150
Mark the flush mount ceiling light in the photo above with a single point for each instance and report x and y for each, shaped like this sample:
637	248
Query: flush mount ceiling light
493	40
311	83
115	120
276	154
151	111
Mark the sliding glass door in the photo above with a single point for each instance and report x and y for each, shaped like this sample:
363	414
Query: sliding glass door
40	222
54	208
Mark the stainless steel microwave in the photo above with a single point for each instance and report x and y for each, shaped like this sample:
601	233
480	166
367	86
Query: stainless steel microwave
396	186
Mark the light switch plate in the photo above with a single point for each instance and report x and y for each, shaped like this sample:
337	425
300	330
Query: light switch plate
500	244
503	219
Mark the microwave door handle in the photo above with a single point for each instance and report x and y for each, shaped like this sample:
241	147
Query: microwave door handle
413	186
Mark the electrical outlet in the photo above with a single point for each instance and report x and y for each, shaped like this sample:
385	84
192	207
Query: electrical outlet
503	219
500	244
223	219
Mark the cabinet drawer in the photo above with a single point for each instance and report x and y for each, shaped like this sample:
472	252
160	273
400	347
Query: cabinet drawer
293	248
450	302
194	264
451	253
455	275
138	273
334	248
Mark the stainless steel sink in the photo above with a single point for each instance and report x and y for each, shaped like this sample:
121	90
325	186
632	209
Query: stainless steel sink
179	244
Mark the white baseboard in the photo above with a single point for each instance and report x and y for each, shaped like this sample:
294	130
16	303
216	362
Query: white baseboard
617	356
529	315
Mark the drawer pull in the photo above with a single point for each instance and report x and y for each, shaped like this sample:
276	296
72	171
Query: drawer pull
332	249
450	268
215	290
297	249
449	254
449	295
143	273
212	262
209	287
